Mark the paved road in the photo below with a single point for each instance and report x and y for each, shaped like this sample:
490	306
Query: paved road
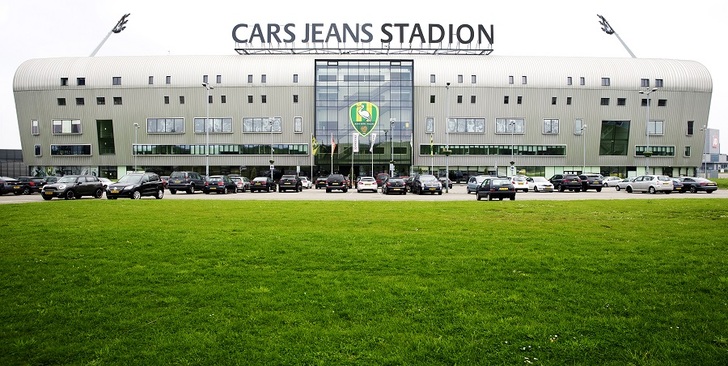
457	193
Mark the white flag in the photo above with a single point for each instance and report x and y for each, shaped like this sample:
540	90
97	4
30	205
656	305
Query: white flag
355	142
372	139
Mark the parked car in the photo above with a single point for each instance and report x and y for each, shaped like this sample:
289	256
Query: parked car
677	185
220	184
74	186
591	181
611	181
520	182
651	184
7	184
336	182
260	184
445	181
394	185
290	182
165	180
624	183
28	185
540	184
474	182
136	186
498	188
106	182
380	178
320	182
306	183
697	184
242	184
426	183
564	182
368	184
189	182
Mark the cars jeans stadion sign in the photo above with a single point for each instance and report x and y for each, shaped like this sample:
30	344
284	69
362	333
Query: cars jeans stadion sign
403	33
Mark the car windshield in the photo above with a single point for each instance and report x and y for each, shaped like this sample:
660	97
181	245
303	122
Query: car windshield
67	179
368	179
130	179
540	179
288	177
500	182
519	179
260	179
427	178
177	175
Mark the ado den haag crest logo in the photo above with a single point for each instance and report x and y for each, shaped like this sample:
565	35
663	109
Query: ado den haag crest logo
364	116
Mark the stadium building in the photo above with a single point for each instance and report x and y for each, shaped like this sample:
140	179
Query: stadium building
361	113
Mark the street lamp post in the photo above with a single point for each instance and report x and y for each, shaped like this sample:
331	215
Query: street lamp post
391	144
648	152
512	125
136	141
207	87
447	138
272	167
702	154
583	139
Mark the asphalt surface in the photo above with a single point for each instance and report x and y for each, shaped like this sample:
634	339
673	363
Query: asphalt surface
457	193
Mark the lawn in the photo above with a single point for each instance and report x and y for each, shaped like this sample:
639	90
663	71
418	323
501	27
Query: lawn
627	282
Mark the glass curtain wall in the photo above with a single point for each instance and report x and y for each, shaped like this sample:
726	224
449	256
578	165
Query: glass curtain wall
345	84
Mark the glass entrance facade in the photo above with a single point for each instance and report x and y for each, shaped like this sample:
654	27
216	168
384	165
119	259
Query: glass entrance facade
342	86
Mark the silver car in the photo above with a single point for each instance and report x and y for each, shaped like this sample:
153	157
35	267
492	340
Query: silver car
475	181
651	184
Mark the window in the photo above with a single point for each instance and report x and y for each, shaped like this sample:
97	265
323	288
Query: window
209	99
151	80
80	81
691	125
168	80
263	79
524	80
297	124
430	125
686	152
622	101
262	124
37	151
250	78
614	138
553	100
659	83
66	126
250	99
644	102
550	126
645	83
215	125
460	79
218	79
579	126
472	99
432	78
519	99
510	126
100	100
295	78
205	79
223	99
165	125
263	99
510	79
64	81
166	99
473	79
605	82
295	98
582	81
61	101
34	128
662	102
432	99
181	99
505	99
656	128
117	101
568	100
59	150
116	80
604	101
569	80
80	101
466	125
460	99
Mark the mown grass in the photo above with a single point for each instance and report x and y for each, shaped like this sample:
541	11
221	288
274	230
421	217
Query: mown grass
149	282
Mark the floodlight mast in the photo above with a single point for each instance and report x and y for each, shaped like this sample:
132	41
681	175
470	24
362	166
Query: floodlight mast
120	26
609	30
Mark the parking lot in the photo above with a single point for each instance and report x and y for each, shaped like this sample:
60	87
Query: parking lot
457	193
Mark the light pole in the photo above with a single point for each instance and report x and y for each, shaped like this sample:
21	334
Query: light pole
207	87
136	141
702	154
270	121
648	152
447	138
583	139
512	125
391	144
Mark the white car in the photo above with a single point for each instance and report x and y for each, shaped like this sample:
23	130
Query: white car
611	181
366	184
306	183
520	182
540	184
651	184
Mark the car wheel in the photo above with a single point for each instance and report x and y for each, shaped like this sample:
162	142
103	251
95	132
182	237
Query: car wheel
708	192
561	188
535	188
160	194
26	191
629	189
651	190
490	198
136	195
70	195
513	198
500	198
599	189
439	193
345	190
477	196
191	190
99	193
47	198
173	191
617	188
693	190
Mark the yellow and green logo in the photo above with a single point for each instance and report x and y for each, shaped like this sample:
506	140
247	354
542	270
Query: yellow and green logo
364	117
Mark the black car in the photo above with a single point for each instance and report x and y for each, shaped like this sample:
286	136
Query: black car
697	184
7	184
290	182
260	184
499	188
74	186
220	184
189	182
320	182
28	185
563	182
136	186
426	183
336	182
591	181
394	185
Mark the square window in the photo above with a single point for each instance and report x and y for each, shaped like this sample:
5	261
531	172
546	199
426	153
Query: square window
168	80
80	81
687	151
472	99
550	126
605	82
510	79
659	83
622	101
432	99
519	99
218	79
223	99
505	99
116	80
295	78
662	102
64	81
432	78
263	99
569	81
250	78
568	100
181	99
645	83
604	101
61	101
460	99
524	80
166	99
263	78
473	79
553	100
250	99
205	79
80	101
460	79
117	101
100	100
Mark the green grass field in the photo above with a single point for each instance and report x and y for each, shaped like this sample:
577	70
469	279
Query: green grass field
627	282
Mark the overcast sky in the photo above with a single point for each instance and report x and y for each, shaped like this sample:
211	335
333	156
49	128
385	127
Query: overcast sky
650	28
